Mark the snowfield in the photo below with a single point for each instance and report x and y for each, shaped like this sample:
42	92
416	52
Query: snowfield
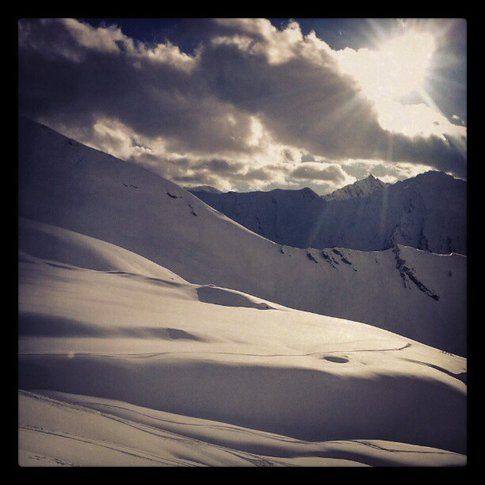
154	331
160	345
86	431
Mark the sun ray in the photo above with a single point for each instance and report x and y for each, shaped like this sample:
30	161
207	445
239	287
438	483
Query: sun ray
396	75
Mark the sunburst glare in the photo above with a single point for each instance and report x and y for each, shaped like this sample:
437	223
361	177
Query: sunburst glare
395	69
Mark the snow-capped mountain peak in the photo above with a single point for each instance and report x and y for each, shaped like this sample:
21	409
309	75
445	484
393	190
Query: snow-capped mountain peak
368	215
361	188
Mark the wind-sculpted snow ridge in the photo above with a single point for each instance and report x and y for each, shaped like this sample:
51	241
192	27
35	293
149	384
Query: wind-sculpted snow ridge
367	215
73	187
143	368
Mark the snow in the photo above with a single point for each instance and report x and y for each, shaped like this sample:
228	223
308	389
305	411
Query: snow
150	336
64	246
91	332
80	430
361	188
68	185
367	215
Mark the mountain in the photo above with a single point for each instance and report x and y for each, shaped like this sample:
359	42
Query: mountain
67	185
361	188
367	215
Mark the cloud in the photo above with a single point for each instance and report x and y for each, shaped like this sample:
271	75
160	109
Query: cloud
219	166
150	90
314	171
239	111
386	171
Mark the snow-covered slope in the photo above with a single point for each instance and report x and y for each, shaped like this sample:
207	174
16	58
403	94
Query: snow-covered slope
87	431
159	371
367	215
66	184
283	216
60	429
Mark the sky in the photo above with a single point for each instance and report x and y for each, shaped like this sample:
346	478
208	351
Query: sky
254	104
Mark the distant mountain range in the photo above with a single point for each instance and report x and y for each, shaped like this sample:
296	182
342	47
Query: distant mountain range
426	212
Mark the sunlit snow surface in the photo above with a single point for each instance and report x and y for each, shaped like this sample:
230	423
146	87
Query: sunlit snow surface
250	382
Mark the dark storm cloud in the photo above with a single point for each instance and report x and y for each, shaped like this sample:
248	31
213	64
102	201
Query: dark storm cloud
63	80
73	75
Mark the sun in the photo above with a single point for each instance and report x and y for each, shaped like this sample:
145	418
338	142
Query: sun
395	74
403	63
396	68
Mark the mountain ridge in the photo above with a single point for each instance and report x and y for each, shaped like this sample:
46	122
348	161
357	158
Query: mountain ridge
360	188
367	215
80	189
